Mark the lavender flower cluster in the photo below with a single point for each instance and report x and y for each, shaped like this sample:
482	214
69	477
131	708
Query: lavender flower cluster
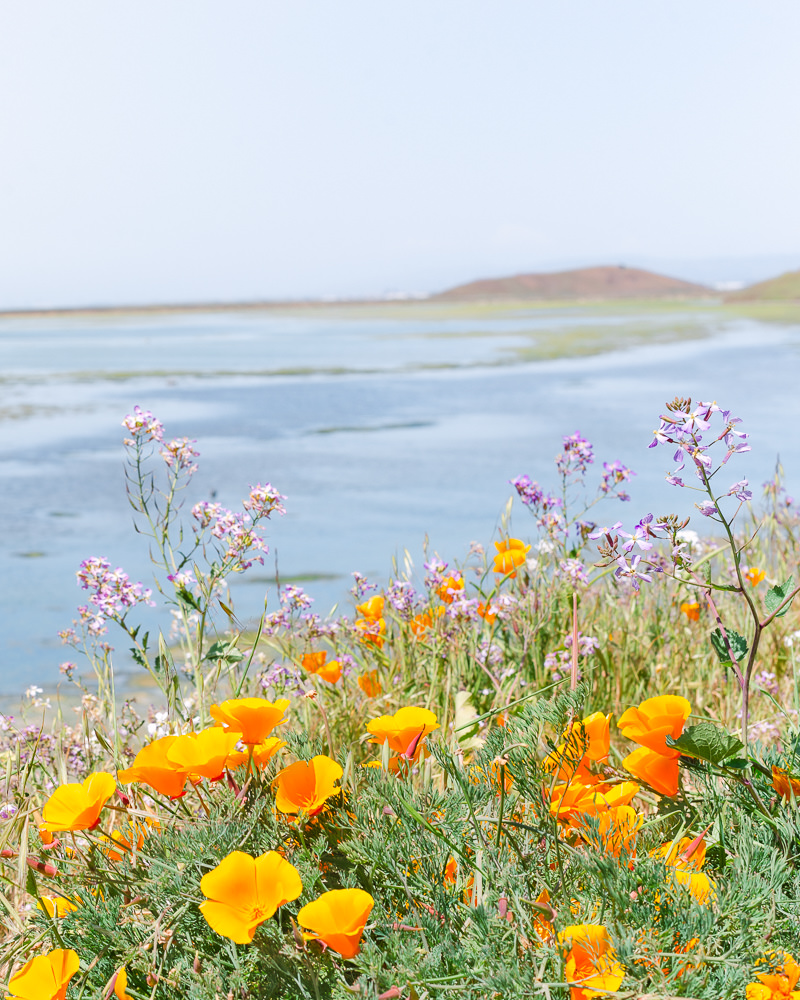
113	594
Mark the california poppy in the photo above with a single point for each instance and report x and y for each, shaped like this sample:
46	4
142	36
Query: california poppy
45	977
370	684
119	984
262	753
372	609
406	726
77	806
337	919
779	983
254	718
153	767
371	630
692	610
305	786
244	892
56	906
754	575
658	770
203	754
120	842
785	786
511	553
656	718
592	967
450	587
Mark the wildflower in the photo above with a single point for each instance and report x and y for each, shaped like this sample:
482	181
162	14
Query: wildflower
616	830
135	833
777	984
244	891
262	753
406	727
421	623
45	977
372	609
511	553
370	684
254	718
569	800
583	741
119	984
305	786
656	718
573	569
263	500
450	587
576	456
372	630
658	770
592	967
691	610
754	575
56	906
153	766
614	474
337	919
180	454
315	663
487	611
142	422
77	806
788	788
203	754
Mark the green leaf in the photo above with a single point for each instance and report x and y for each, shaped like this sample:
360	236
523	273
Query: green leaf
776	596
706	742
187	597
30	884
738	644
223	651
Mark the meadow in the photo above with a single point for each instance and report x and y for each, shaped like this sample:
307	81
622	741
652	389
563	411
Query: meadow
567	767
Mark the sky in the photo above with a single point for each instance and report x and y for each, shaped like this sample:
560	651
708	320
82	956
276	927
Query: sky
195	151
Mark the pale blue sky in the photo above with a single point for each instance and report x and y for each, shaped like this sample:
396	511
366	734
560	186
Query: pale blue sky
194	150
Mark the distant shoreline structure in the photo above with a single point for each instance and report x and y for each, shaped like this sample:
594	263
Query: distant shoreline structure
606	283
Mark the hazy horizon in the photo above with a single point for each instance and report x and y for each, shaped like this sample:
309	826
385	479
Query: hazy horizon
266	151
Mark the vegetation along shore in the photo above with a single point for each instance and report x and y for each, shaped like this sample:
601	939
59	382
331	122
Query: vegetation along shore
566	768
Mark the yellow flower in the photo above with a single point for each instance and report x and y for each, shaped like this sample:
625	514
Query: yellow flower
77	806
119	984
372	609
135	832
262	753
659	771
244	892
511	553
450	587
203	754
45	977
153	767
305	787
785	786
56	906
337	919
592	967
754	575
371	630
254	718
406	727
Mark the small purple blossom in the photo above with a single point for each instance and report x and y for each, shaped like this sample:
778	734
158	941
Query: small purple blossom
574	570
143	425
640	535
113	593
630	571
295	598
707	508
361	586
614	474
740	491
264	500
180	455
402	597
576	457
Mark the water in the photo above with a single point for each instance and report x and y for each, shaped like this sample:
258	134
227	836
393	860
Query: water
383	426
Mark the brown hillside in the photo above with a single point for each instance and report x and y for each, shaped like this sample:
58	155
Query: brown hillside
786	287
585	283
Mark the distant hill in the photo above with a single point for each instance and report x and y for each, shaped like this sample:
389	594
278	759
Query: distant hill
783	288
584	283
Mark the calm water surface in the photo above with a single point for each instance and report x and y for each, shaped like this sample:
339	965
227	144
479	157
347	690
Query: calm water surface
382	427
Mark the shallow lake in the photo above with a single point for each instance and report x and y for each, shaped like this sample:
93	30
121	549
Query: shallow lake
383	425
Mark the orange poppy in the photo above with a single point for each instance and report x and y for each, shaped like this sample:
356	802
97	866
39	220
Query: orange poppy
569	800
244	891
153	767
203	754
592	967
450	587
754	575
657	770
511	553
406	726
305	786
77	806
136	832
691	610
315	663
370	684
262	753
372	609
371	630
119	984
616	829
45	977
656	718
586	740
779	983
254	718
337	919
785	786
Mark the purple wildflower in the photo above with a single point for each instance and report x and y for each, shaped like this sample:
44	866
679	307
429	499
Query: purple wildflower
142	424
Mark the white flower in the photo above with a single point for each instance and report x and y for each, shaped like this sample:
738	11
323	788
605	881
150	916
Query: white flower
33	691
